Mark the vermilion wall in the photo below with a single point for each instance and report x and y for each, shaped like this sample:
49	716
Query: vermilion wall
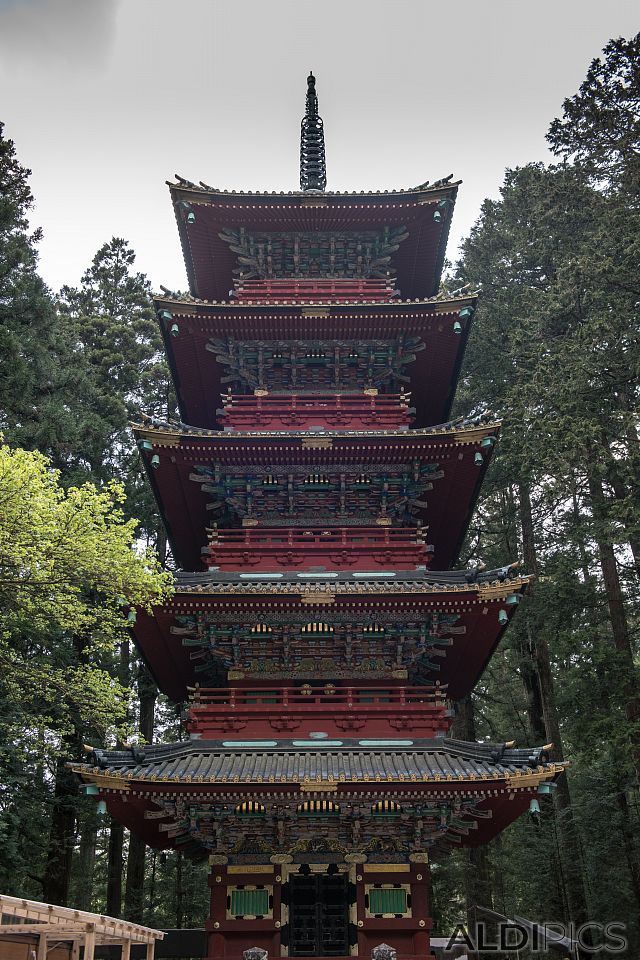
228	938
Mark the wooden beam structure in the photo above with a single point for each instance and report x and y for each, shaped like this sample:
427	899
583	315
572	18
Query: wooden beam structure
30	922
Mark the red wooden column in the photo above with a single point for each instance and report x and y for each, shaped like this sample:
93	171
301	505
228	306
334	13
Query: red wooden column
230	936
408	933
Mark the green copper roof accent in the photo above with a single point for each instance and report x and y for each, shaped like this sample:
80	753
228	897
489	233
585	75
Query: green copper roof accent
250	743
369	574
261	576
314	743
325	575
385	743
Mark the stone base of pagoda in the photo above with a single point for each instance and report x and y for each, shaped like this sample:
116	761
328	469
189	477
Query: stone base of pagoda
319	909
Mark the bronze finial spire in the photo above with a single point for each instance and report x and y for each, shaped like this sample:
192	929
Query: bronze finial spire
313	171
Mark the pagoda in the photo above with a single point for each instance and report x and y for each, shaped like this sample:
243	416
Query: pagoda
316	496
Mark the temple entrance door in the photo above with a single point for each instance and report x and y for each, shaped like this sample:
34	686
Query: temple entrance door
319	916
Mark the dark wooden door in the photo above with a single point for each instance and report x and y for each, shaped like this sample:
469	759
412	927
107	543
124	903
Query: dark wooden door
319	916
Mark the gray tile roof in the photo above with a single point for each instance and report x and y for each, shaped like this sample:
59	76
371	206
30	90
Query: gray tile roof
286	762
430	578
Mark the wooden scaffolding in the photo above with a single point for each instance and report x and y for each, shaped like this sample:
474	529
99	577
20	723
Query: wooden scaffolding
34	931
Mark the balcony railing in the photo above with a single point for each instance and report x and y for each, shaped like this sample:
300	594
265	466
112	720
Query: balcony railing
291	412
354	548
313	290
254	699
371	711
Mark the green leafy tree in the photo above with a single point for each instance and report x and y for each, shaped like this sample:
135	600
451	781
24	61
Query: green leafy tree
70	571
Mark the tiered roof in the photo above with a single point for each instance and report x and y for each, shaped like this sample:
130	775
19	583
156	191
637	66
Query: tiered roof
430	475
455	791
198	333
204	213
447	624
319	312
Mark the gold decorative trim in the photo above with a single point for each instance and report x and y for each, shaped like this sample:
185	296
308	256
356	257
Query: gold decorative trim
419	857
474	434
116	781
165	438
196	306
320	596
171	435
318	787
327	593
500	591
519	780
504	781
208	196
317	443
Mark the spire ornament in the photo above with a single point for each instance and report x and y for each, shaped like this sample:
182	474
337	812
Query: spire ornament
313	171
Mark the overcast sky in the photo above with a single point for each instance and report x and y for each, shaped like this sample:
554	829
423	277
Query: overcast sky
107	99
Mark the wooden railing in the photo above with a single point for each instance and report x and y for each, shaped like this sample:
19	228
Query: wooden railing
349	547
369	713
346	411
305	536
346	401
300	290
254	699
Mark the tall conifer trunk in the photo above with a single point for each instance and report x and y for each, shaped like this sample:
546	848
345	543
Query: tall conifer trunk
57	871
622	493
114	869
616	605
179	892
625	668
134	888
571	866
115	854
86	861
477	870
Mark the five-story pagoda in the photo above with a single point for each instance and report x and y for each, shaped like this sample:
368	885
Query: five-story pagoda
316	497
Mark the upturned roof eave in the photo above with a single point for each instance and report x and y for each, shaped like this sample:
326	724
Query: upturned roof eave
174	433
304	202
203	193
439	762
214	584
440	304
397	315
175	438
